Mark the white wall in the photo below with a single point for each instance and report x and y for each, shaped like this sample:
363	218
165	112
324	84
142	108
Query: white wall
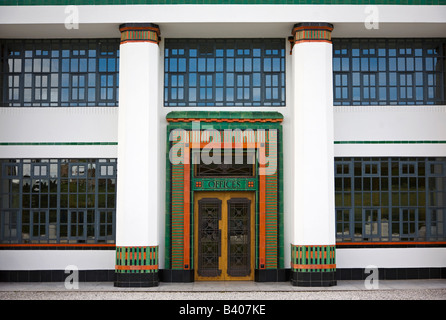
390	123
61	125
57	259
221	20
391	258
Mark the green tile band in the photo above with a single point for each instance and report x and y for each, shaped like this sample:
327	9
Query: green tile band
271	215
58	143
218	2
177	216
224	115
392	142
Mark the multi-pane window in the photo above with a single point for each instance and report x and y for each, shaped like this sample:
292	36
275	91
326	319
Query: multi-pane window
57	201
59	73
389	71
224	72
390	199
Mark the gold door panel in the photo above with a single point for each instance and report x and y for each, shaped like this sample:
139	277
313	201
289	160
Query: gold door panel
224	235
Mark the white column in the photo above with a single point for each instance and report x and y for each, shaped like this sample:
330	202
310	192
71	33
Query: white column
314	213
137	174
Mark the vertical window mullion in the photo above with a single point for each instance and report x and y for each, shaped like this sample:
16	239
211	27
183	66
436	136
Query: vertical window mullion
47	225
85	225
96	196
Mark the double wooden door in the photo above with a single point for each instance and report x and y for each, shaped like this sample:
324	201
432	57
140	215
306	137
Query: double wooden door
224	235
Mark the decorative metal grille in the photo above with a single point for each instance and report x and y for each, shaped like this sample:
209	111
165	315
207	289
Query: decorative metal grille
236	165
209	234
239	234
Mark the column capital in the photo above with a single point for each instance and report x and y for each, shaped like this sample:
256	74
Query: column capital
312	32
140	32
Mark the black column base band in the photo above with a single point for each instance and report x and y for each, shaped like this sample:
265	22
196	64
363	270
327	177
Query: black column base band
170	275
136	280
313	279
272	275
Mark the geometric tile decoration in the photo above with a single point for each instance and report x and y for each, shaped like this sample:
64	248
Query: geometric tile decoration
140	33
313	258
136	259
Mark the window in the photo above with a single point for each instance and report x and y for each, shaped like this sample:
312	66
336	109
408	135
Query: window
9	223
390	199
389	71
437	223
408	169
370	168
224	72
78	170
107	169
343	224
39	170
57	201
59	73
409	223
372	225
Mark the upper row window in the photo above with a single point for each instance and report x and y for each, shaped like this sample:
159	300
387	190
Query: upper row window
53	73
224	72
220	72
389	71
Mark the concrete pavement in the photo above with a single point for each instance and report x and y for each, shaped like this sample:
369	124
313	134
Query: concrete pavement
433	289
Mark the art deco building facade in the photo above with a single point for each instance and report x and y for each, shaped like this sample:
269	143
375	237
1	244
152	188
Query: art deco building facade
156	141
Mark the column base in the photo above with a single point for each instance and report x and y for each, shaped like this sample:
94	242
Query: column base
136	280
313	279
